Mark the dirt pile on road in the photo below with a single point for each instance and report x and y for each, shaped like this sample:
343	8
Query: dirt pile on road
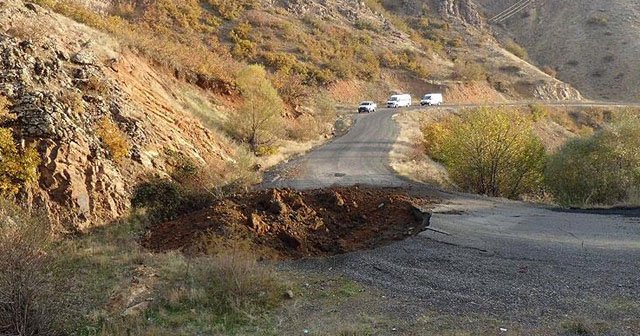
298	224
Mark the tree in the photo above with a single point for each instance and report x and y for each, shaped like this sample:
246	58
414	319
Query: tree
259	117
489	151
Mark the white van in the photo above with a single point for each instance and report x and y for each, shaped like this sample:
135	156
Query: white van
403	100
432	99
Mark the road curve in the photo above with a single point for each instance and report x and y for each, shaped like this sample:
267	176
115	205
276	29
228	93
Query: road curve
359	157
362	155
509	260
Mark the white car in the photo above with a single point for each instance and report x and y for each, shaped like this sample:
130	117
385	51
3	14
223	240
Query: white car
432	99
402	100
367	107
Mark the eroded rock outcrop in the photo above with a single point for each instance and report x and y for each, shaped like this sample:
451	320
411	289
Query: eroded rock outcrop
56	109
465	11
61	86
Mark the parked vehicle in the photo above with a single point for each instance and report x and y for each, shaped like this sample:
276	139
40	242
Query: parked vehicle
432	99
367	107
403	100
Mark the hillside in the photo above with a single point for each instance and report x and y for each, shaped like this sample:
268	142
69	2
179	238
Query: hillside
77	96
198	167
591	44
114	93
354	50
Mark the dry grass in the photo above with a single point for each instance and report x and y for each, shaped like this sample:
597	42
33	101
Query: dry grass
31	300
113	138
516	49
408	157
73	101
5	114
185	54
469	70
122	289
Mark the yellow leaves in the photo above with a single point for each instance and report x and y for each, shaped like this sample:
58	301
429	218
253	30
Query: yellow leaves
435	135
488	151
18	167
113	138
169	32
260	115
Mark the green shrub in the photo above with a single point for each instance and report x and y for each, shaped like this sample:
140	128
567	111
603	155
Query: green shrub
231	9
598	21
364	24
538	112
469	70
243	47
266	150
192	187
325	108
292	89
489	151
165	200
598	170
282	62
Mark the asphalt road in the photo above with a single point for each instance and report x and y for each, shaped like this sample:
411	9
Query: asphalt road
359	157
509	260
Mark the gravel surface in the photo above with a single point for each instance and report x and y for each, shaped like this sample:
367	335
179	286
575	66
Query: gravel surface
504	259
501	258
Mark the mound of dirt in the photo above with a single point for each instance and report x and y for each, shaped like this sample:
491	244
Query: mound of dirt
297	224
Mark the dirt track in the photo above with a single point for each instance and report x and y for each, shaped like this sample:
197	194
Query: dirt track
508	260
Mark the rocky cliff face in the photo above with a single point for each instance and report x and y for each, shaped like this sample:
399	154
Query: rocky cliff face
58	99
62	86
465	11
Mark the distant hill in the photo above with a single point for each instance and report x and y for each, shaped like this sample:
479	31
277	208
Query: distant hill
592	44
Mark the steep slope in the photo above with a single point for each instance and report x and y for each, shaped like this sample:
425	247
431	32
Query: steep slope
592	44
355	49
510	75
67	83
115	92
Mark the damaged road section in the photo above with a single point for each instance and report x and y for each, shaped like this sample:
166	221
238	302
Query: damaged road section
298	224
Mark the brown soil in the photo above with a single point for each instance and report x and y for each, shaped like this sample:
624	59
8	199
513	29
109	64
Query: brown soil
297	224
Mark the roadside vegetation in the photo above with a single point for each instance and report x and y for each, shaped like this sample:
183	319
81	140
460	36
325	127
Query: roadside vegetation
31	300
195	46
489	151
258	120
601	169
104	283
500	152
